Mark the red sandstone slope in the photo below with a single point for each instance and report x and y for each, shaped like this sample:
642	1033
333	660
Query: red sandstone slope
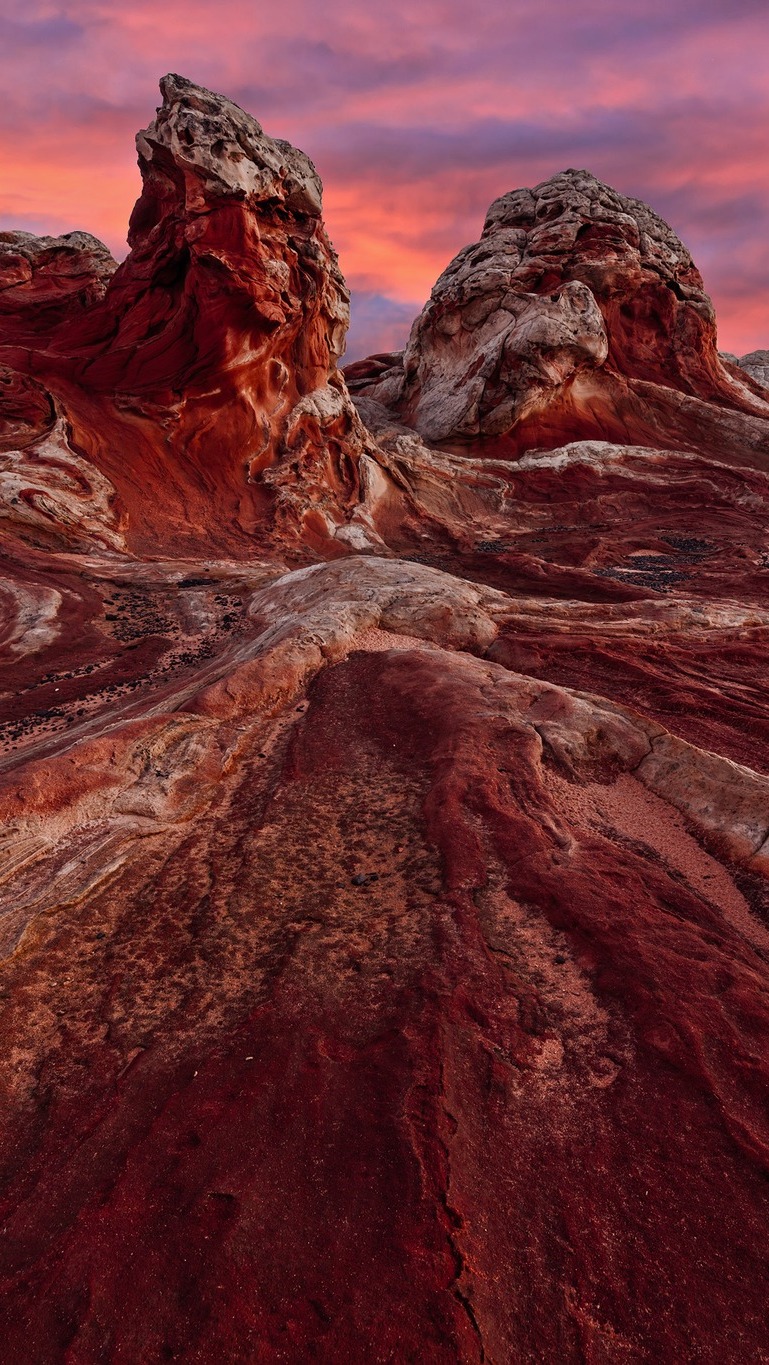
386	837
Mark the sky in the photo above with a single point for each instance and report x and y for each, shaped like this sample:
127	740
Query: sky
417	113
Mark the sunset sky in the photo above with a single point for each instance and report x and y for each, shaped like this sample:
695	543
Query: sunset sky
417	115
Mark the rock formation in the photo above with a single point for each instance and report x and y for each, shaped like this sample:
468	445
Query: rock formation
211	354
756	364
385	789
579	313
47	281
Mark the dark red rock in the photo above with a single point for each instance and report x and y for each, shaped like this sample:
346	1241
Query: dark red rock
49	281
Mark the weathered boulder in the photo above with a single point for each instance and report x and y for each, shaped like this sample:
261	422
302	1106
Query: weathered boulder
45	281
544	330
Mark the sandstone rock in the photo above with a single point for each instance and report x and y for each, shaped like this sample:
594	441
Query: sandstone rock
51	496
26	409
534	332
45	281
228	224
227	315
521	353
660	322
221	152
756	364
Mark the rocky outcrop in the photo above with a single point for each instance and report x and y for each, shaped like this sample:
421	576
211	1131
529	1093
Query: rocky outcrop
230	270
756	364
47	281
579	312
385	794
478	368
211	355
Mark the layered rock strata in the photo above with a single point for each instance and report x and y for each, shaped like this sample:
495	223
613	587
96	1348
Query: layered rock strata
210	353
47	281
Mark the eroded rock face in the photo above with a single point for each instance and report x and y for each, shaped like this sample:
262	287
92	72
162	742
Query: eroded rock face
212	354
521	354
383	933
756	364
45	281
579	312
659	320
230	267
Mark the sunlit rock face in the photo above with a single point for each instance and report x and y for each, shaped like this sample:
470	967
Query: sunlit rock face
384	960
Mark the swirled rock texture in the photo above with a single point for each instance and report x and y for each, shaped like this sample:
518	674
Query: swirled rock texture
384	900
45	281
756	364
579	312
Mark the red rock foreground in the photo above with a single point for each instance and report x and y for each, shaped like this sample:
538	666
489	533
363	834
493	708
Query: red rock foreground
386	790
